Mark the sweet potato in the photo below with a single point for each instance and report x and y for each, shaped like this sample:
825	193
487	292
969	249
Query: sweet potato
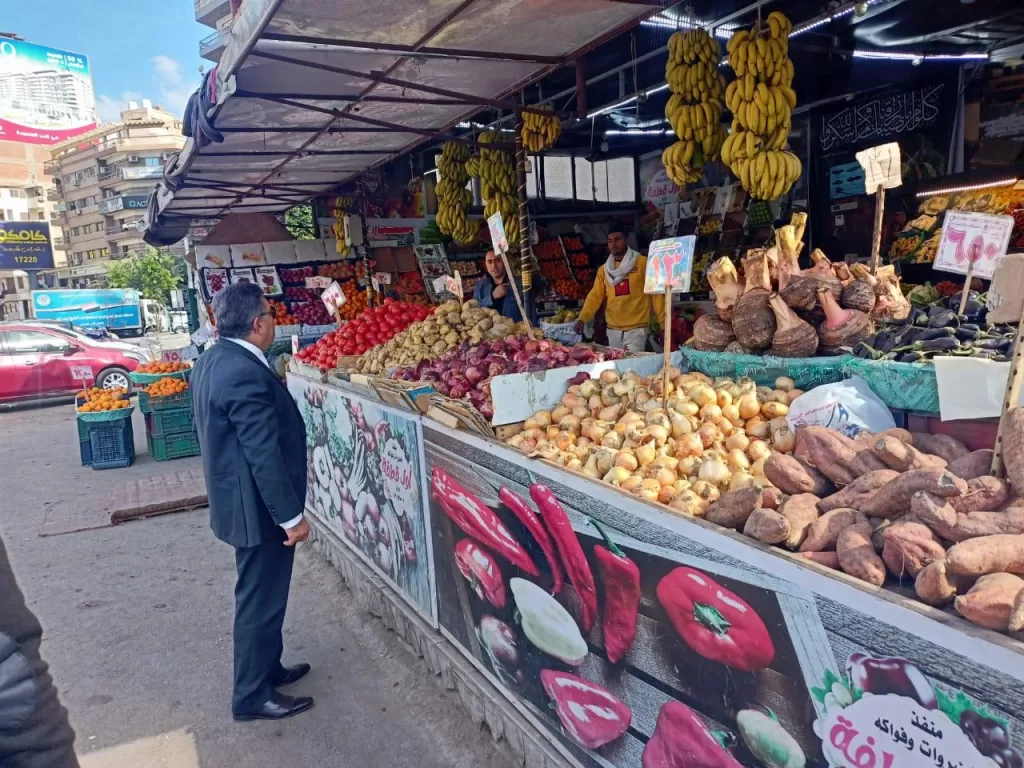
800	510
900	434
771	497
989	603
792	476
1002	553
940	515
878	528
933	586
828	452
974	464
733	508
901	456
1013	448
945	446
857	556
893	498
827	559
767	525
1016	623
984	494
824	532
908	547
859	491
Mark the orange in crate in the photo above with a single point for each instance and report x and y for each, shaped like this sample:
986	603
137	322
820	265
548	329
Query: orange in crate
163	367
166	387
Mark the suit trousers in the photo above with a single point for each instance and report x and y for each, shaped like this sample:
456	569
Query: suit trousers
261	599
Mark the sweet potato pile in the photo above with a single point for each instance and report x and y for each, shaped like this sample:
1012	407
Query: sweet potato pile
899	507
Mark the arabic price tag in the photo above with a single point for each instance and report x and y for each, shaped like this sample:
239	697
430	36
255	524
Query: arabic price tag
333	297
669	264
881	166
454	285
295	345
375	283
978	237
203	335
318	282
171	356
497	229
382	278
441	283
81	372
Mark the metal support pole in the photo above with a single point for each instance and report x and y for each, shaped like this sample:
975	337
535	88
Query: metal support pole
523	223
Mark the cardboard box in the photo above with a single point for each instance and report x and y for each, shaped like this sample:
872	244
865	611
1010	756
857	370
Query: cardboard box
405	260
247	255
309	250
385	259
279	253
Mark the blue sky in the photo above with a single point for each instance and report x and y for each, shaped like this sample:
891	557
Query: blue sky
137	49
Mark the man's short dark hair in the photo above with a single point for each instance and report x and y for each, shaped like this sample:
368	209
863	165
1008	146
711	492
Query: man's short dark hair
235	308
621	229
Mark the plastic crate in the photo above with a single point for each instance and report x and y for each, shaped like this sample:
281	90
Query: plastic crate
85	449
169	422
83	429
174	446
112	444
145	379
149	404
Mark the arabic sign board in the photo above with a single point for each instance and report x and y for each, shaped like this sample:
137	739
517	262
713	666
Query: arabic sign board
978	237
669	264
25	245
497	228
333	297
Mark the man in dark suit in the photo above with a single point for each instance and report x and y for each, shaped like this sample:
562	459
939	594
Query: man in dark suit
254	456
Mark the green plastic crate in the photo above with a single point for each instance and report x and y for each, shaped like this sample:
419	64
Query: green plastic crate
149	404
169	422
174	446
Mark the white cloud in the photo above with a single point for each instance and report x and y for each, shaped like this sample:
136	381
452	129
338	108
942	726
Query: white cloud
170	88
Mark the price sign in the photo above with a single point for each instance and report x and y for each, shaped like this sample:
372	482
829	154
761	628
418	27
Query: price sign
81	373
497	228
295	345
441	283
450	283
318	282
980	238
203	335
382	278
191	352
669	264
881	166
333	297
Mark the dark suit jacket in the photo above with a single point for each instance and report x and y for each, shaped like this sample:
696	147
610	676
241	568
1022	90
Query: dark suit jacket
254	445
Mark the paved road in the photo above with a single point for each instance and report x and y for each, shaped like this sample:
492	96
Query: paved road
137	622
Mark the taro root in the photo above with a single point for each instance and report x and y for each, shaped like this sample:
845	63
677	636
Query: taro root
842	327
712	334
725	284
842	272
801	290
859	295
737	349
753	321
793	337
788	255
890	302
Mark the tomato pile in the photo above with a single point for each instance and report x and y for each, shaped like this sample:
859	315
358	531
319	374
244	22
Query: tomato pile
367	330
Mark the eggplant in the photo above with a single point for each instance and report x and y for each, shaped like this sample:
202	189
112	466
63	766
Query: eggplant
938	345
1000	345
911	357
919	317
866	351
940	317
927	334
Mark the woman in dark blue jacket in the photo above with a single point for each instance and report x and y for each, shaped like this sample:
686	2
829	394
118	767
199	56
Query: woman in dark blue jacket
495	292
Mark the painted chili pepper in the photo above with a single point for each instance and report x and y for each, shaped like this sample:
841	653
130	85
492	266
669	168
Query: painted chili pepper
880	675
682	740
527	517
478	520
482	572
592	716
547	624
575	562
621	579
714	622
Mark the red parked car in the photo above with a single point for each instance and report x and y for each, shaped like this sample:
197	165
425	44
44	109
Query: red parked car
36	361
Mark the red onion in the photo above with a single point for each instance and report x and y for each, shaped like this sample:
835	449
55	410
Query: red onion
579	378
473	374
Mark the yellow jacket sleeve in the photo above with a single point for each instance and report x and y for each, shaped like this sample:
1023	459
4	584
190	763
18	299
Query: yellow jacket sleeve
658	308
594	299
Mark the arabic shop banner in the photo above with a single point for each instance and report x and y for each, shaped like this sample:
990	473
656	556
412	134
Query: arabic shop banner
25	245
678	646
365	483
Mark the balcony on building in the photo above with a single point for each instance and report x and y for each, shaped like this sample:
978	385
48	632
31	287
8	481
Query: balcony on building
53	193
124	230
59	244
212	46
209	12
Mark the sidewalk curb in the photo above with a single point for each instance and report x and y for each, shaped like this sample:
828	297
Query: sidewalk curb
485	703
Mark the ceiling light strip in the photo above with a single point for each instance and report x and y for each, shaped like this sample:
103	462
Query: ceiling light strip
969	188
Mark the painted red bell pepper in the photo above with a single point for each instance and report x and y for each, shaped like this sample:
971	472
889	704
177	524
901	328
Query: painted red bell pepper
714	622
590	714
575	562
682	740
478	520
621	579
527	517
482	572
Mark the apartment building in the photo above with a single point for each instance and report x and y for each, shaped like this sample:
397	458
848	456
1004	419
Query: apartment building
217	14
103	180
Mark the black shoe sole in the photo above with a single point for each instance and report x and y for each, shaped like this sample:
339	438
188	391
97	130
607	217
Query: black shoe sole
286	683
293	713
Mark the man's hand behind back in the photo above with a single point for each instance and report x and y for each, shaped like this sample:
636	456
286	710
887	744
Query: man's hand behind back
297	534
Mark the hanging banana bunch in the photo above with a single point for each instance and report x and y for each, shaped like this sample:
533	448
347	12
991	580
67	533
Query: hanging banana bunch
341	245
452	196
540	132
497	175
762	99
695	107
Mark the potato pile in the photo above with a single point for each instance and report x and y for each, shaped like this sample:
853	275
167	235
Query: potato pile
450	325
900	507
713	437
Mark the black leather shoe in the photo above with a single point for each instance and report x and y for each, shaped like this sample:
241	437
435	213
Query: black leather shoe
278	707
289	675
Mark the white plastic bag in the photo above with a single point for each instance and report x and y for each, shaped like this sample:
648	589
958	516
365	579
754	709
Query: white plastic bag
848	406
563	332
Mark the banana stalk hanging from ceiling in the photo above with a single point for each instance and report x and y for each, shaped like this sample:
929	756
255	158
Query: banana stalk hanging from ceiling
453	198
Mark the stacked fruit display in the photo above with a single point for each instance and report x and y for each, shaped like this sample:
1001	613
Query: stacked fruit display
281	314
695	107
497	183
363	332
540	131
762	100
342	270
355	301
452	196
311	313
167	387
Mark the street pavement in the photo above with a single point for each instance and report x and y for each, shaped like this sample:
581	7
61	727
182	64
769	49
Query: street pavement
137	622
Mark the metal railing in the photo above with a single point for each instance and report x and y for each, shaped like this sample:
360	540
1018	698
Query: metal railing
212	42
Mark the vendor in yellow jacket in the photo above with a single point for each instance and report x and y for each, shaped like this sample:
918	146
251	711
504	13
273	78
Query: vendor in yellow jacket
619	287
